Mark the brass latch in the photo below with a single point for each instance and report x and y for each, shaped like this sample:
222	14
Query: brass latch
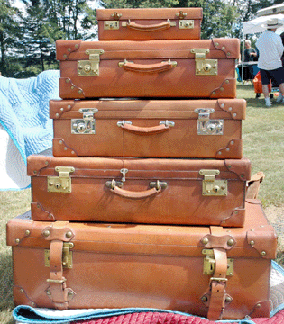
121	123
90	67
207	126
186	24
209	263
211	186
67	260
116	15
158	184
111	25
181	14
61	183
168	123
87	125
112	183
123	171
204	66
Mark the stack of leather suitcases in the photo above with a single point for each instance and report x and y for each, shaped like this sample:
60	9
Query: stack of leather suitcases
143	202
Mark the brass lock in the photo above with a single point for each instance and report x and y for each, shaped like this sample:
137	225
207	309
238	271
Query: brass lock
211	186
61	183
90	67
111	25
186	24
67	259
204	66
209	263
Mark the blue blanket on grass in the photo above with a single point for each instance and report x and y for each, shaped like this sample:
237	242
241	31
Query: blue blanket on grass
24	110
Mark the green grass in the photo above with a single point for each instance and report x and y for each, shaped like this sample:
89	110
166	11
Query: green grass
12	203
263	134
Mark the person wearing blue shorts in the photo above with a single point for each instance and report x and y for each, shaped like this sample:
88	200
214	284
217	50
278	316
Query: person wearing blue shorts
270	52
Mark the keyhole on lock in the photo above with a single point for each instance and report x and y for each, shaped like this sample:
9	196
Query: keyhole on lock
207	67
57	185
81	127
87	68
211	127
216	189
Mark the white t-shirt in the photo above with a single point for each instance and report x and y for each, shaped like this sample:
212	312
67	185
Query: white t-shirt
270	49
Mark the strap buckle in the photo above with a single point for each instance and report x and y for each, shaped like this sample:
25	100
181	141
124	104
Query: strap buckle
218	279
57	281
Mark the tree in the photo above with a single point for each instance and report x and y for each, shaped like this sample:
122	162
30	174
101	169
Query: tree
139	3
10	33
40	33
247	10
74	18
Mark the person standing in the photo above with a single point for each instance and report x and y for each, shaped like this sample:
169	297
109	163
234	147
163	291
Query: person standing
250	54
270	51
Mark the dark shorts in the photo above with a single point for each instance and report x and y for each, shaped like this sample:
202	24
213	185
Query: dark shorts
276	75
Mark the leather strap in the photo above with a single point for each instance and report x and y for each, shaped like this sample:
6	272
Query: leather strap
218	280
57	288
57	291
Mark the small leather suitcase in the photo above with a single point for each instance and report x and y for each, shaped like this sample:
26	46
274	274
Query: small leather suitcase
155	191
206	271
149	23
148	128
155	68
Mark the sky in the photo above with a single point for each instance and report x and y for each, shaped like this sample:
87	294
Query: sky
18	4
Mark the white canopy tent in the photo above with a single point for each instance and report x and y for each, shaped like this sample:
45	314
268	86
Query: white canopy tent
275	9
254	26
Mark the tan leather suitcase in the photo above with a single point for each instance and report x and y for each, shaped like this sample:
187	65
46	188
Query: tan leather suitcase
154	68
149	190
207	271
148	128
149	23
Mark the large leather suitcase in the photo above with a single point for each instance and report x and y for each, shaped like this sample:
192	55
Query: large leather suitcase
148	128
206	271
149	190
149	23
158	68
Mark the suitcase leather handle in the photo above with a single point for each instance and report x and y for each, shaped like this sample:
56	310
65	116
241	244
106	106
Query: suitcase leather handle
149	68
148	28
135	194
145	130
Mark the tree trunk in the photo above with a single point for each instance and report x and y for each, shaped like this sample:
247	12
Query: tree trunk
2	67
41	58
